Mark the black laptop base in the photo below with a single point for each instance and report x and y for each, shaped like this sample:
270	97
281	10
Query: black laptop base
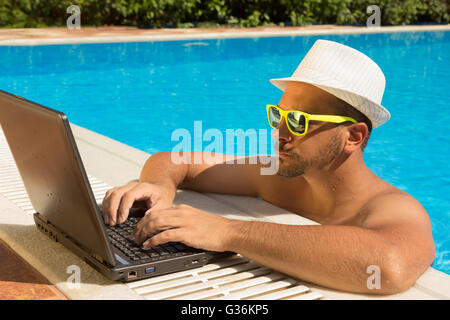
127	270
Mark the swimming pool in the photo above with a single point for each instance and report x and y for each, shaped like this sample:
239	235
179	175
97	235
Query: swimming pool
139	93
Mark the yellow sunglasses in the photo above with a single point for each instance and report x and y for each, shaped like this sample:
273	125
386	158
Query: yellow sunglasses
297	121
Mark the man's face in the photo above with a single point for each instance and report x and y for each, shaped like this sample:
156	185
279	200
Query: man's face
323	142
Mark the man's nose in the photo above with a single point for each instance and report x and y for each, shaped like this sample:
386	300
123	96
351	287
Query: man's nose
283	132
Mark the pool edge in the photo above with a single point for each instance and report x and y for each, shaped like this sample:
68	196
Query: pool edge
39	35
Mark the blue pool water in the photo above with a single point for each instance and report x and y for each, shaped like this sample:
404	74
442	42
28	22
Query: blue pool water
139	93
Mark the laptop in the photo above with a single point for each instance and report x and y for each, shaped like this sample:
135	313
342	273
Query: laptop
47	157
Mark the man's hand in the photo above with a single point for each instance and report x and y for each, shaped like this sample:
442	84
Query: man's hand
194	227
118	201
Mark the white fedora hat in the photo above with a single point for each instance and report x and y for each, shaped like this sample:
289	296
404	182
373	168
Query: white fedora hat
345	73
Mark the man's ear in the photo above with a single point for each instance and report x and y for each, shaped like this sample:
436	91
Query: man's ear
355	135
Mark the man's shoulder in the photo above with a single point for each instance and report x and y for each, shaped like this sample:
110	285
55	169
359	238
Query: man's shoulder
393	205
403	221
392	196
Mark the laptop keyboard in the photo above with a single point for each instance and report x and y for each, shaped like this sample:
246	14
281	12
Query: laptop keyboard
119	237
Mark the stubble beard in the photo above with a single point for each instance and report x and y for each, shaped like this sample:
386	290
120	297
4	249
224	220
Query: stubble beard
296	165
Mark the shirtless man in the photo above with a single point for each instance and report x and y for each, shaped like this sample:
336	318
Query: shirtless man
322	176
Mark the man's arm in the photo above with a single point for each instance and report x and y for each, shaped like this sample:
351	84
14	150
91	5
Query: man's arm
395	238
204	172
161	176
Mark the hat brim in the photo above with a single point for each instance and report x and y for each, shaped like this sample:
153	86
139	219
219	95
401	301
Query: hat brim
376	113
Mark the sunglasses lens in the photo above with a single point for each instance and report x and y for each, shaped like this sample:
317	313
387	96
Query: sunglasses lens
297	122
274	117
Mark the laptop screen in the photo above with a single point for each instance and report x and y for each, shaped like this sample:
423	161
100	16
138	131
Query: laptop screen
46	155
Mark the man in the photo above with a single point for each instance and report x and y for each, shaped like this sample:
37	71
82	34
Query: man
324	118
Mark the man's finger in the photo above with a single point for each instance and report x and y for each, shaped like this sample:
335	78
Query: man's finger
106	204
138	193
170	235
155	221
156	206
112	203
126	203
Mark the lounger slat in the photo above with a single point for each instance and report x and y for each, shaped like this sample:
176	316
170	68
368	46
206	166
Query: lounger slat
209	267
181	291
196	278
282	294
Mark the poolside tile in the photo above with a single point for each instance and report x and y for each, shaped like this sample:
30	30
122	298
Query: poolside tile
20	281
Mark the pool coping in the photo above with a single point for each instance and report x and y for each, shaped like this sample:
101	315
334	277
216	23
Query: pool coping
49	36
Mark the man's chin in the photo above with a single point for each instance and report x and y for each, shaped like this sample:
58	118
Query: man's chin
289	171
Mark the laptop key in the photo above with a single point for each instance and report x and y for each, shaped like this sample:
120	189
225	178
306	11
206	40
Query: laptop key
171	249
180	246
142	255
119	236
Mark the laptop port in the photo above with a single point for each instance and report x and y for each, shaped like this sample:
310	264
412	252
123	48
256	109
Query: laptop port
149	270
195	261
132	274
